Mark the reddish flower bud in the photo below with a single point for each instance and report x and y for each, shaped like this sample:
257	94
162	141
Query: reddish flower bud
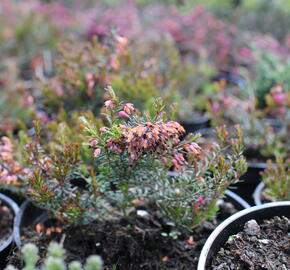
89	76
122	114
280	98
201	200
109	103
97	152
93	142
128	108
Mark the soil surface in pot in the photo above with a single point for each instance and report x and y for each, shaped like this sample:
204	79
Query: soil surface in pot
264	246
6	222
133	243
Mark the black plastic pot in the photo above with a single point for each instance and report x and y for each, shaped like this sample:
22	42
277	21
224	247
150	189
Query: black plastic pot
231	79
248	182
236	200
12	193
274	123
257	195
27	216
235	224
6	246
195	124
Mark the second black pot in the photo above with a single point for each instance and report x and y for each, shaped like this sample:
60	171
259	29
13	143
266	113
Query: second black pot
28	216
195	124
6	245
235	224
248	182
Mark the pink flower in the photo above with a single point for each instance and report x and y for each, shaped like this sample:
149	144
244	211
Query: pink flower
93	142
245	52
109	103
175	162
90	84
279	98
215	107
97	152
116	148
193	147
28	100
114	62
128	108
201	200
89	76
122	114
103	129
228	101
11	179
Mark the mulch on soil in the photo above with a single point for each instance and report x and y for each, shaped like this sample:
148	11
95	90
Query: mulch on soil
264	246
6	222
133	243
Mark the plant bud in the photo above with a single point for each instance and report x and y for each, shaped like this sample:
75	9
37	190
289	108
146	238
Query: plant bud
97	152
122	114
75	266
94	262
30	254
54	264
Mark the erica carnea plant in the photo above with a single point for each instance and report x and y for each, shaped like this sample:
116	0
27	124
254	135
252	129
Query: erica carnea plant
140	73
54	166
132	155
135	153
10	168
266	130
277	180
191	198
55	259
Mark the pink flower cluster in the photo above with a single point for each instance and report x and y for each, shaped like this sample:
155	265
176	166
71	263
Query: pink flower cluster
9	168
139	140
103	20
278	101
204	34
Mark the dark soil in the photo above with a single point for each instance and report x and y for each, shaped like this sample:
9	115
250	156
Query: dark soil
6	222
258	247
133	243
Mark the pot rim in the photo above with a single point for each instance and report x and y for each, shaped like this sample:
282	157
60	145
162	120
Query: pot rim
15	208
195	120
207	246
257	193
258	165
17	222
237	198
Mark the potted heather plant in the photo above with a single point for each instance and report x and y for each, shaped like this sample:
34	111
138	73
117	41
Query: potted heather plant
128	190
8	210
11	170
262	139
31	33
8	207
15	103
83	69
139	72
275	184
